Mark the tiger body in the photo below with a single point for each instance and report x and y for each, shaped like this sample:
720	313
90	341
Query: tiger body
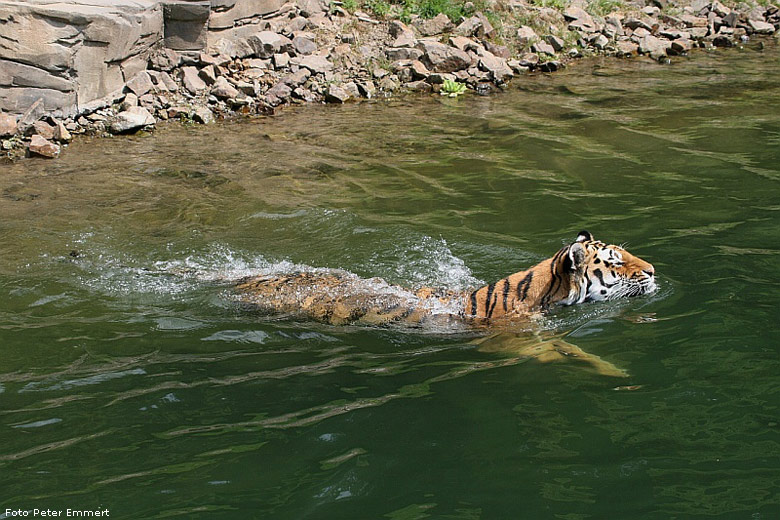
586	270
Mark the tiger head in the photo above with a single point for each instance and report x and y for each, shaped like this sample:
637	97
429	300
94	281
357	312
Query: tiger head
612	272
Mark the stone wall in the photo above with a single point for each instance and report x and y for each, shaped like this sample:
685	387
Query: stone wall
75	54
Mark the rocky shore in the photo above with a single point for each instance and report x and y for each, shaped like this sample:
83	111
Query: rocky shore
314	51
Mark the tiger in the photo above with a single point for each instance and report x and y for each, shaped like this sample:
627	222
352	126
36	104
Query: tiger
584	270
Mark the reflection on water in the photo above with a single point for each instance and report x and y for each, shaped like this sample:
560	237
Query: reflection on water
131	379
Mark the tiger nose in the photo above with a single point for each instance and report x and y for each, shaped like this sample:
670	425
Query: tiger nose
649	270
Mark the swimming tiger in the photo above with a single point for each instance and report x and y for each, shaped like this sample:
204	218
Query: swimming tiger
585	270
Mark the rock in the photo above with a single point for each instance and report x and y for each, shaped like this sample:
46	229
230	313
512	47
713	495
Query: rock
208	74
43	147
550	66
529	60
403	53
336	94
280	92
388	84
463	43
30	116
600	42
680	46
131	119
131	100
267	43
441	58
405	39
502	51
140	84
526	36
635	23
499	71
7	125
281	60
316	64
43	129
419	86
203	116
757	26
723	41
191	81
693	21
298	78
556	43
719	9
309	8
61	133
438	78
186	25
475	26
396	27
654	47
579	19
352	89
305	95
303	46
367	89
544	48
437	25
224	90
419	70
165	79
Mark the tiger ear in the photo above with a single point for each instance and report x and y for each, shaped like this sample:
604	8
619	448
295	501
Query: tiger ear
575	258
584	236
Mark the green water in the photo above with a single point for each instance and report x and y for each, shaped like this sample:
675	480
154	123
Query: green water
130	380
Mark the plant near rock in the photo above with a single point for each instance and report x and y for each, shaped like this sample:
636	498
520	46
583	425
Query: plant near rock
452	88
555	4
604	7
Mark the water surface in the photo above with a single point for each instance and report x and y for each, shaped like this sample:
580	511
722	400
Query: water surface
130	380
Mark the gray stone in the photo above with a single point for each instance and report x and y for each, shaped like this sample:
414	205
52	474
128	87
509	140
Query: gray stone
419	86
203	115
499	71
186	25
719	9
757	26
556	43
529	60
723	41
437	25
419	70
281	60
165	79
298	78
475	26
7	125
336	94
131	100
352	89
526	36
550	66
464	44
654	47
61	132
309	8
267	43
403	53
140	84
241	12
224	90
43	147
502	51
396	27
316	64
281	91
367	89
544	48
131	119
192	81
303	46
680	46
405	39
33	113
600	41
442	58
579	19
43	129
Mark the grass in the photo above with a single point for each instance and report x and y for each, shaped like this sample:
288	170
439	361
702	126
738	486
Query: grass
604	7
404	10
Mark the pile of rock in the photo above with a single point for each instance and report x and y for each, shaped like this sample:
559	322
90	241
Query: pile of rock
306	54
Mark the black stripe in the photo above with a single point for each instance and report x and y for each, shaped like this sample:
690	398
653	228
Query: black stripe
555	279
522	287
506	292
474	303
490	289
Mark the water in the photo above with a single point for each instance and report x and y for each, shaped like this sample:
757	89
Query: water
130	379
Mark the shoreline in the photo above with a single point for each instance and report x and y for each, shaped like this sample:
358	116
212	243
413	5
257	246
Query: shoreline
340	54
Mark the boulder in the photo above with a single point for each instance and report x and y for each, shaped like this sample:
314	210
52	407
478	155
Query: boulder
526	36
267	43
43	129
544	48
33	113
403	53
760	27
131	119
579	19
140	84
224	90
298	78
316	64
43	147
186	25
437	25
476	25
7	125
336	94
442	58
203	116
303	46
191	80
131	100
208	74
556	43
404	39
680	46
499	71
61	133
654	47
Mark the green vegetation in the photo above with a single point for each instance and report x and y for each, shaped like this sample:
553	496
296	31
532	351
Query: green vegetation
452	88
455	10
555	4
604	7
